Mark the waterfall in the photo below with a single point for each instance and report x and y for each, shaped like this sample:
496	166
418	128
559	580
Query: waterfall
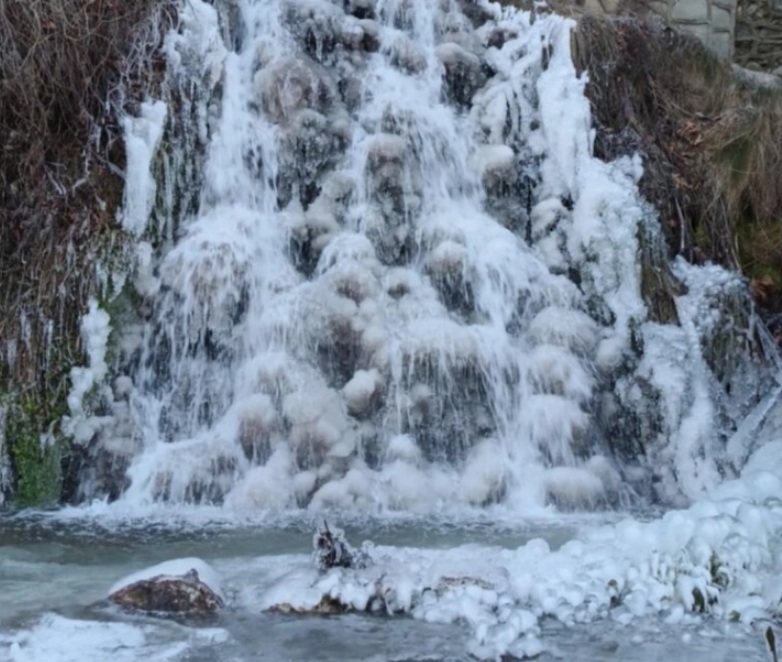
378	267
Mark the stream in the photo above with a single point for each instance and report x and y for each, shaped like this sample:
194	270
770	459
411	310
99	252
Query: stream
55	573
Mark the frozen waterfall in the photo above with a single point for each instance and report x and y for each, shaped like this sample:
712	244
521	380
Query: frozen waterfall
378	267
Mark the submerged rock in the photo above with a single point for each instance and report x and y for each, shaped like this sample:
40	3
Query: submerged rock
182	586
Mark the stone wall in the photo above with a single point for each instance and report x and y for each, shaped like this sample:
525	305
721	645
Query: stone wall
712	21
746	31
759	35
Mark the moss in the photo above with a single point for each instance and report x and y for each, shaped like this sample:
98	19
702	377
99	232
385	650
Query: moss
37	466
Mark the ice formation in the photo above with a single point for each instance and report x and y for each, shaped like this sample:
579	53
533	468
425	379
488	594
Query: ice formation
383	270
95	329
718	559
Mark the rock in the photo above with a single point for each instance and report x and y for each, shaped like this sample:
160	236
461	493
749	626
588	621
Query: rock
181	586
405	55
360	8
371	40
497	36
311	145
316	26
463	73
477	12
362	391
360	35
289	84
327	605
393	178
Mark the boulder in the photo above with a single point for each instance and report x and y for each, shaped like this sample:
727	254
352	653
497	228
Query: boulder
463	73
290	84
360	8
317	27
406	55
182	586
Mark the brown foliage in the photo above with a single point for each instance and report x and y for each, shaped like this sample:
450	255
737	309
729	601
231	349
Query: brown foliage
712	142
63	67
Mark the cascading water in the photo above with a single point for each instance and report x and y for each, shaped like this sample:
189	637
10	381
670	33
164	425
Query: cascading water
380	268
374	266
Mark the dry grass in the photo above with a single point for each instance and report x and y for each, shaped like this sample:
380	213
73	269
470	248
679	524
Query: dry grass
712	144
64	67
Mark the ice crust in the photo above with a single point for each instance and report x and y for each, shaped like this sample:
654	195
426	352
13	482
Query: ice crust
346	306
718	559
95	329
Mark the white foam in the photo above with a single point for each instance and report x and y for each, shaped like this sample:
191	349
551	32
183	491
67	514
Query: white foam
55	638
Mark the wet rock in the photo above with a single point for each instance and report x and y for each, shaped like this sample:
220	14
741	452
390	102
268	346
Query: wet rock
308	234
463	73
362	392
446	264
405	55
290	84
508	193
476	12
311	146
360	8
185	586
360	35
390	235
394	181
327	605
258	423
497	36
317	27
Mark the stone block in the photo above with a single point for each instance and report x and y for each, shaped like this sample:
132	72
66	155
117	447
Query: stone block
700	30
721	20
661	8
728	5
690	11
721	44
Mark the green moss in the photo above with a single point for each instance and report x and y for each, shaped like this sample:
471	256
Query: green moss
37	466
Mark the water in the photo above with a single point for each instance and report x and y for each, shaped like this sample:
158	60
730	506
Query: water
379	269
54	576
376	270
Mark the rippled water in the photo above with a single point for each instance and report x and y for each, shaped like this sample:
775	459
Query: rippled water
54	576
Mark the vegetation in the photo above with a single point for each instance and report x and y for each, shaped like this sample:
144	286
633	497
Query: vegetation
37	458
712	146
65	68
712	142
